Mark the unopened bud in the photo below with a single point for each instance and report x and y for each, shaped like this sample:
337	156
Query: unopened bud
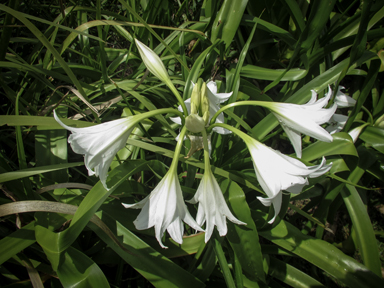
204	99
206	117
194	123
195	99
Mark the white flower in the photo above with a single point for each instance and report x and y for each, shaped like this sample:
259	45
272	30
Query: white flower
212	206
296	119
153	62
355	132
336	123
214	105
164	209
276	172
342	100
100	143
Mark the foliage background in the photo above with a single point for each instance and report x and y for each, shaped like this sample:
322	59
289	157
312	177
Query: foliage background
61	228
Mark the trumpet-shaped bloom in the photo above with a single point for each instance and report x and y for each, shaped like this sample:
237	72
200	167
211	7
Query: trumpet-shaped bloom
276	172
164	209
342	100
296	119
214	105
212	206
153	62
99	143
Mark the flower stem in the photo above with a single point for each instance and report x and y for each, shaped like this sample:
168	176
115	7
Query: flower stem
152	113
179	144
207	164
239	133
179	99
242	103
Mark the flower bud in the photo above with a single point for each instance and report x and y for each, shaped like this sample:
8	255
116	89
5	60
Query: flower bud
195	123
195	99
206	117
153	62
204	99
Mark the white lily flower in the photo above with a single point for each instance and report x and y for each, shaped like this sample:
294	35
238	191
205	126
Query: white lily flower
276	172
342	100
214	105
100	143
164	209
153	62
212	206
336	123
296	119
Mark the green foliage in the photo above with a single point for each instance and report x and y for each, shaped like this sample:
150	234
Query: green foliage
61	228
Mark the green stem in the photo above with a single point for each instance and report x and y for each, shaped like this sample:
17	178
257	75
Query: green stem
179	98
207	164
179	144
152	113
239	133
242	103
369	115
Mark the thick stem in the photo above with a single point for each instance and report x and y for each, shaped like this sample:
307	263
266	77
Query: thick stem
242	103
207	164
179	144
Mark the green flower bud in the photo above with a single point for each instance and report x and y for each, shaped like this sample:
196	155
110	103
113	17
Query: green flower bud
204	99
195	123
195	99
206	117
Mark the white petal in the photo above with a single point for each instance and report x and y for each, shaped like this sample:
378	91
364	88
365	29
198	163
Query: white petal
213	209
276	172
305	119
336	123
342	100
99	143
212	86
187	103
164	209
355	133
295	138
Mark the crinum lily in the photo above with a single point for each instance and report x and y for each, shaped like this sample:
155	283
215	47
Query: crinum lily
215	99
307	118
100	143
164	209
277	172
213	209
296	119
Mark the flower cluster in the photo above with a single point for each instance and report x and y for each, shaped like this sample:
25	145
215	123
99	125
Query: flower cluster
164	208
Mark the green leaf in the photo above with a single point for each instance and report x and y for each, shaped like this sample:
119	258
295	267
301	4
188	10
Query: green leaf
261	73
322	254
342	144
157	269
79	271
374	136
291	275
227	21
244	240
9	176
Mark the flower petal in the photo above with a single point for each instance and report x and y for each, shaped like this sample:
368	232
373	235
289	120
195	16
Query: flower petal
305	119
276	172
99	143
342	100
213	209
164	209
